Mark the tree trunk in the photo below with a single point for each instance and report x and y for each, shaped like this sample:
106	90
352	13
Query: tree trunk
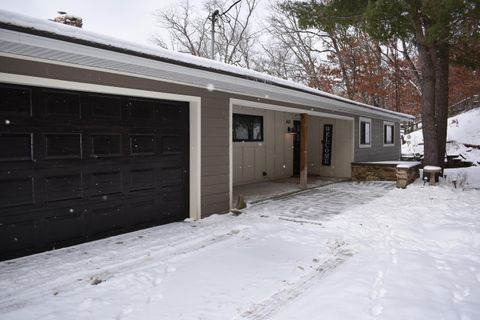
429	129
441	100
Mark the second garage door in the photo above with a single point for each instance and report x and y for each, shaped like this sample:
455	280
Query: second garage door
79	166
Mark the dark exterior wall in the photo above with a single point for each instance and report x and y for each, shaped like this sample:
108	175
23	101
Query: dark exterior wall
377	152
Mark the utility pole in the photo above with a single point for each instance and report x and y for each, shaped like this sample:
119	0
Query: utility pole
214	19
215	15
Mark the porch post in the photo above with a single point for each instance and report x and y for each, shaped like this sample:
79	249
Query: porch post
303	150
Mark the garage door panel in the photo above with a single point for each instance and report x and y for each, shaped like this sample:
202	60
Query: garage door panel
105	145
106	220
142	109
64	187
104	107
16	192
61	104
171	144
66	225
17	236
16	146
171	177
172	205
15	100
142	144
105	183
80	166
142	179
170	115
63	145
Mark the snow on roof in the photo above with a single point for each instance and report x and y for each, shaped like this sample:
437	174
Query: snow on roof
53	28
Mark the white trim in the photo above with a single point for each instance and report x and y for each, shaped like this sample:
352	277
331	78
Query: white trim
141	76
353	145
65	46
230	154
197	77
388	123
88	87
266	106
195	113
195	120
97	69
367	120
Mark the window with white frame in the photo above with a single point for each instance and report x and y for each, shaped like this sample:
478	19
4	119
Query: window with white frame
388	133
365	126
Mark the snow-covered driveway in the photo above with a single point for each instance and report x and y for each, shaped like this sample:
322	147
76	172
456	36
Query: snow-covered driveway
320	203
411	254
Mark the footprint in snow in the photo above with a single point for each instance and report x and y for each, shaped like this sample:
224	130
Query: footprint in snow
393	252
157	281
155	297
377	310
85	304
477	274
464	317
126	311
442	265
377	294
460	293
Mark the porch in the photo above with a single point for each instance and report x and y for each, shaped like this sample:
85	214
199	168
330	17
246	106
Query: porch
276	151
275	189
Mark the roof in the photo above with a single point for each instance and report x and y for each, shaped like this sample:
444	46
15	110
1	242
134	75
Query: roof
24	35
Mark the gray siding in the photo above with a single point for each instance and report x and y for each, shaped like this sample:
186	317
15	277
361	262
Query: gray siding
214	121
377	152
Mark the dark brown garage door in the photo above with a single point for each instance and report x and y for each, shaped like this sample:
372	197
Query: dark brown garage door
79	166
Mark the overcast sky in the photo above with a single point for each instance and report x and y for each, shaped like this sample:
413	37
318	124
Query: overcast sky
125	19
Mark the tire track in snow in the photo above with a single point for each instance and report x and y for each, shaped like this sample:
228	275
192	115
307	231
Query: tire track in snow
134	263
267	308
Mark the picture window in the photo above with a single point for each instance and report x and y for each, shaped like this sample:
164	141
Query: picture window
247	127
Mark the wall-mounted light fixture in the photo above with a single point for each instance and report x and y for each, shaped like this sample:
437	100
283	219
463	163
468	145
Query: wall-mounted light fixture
292	130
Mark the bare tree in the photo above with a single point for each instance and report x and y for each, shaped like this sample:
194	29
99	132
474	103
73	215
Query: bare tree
188	33
190	30
291	53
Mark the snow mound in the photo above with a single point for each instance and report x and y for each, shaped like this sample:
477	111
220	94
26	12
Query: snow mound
463	137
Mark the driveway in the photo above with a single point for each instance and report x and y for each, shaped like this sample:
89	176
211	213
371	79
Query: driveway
321	203
222	267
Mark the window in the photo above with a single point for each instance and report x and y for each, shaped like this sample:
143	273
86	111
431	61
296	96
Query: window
365	132
247	127
388	134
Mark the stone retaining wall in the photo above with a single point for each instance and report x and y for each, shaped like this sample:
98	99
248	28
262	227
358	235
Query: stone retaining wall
403	174
373	172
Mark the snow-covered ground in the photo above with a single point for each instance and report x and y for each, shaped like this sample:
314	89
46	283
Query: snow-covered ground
342	251
462	129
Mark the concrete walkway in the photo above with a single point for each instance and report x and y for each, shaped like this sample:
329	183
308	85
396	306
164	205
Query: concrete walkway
257	192
319	203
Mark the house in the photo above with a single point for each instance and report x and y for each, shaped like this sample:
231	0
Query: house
99	136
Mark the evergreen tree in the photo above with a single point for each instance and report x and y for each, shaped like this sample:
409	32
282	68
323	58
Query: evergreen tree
443	31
